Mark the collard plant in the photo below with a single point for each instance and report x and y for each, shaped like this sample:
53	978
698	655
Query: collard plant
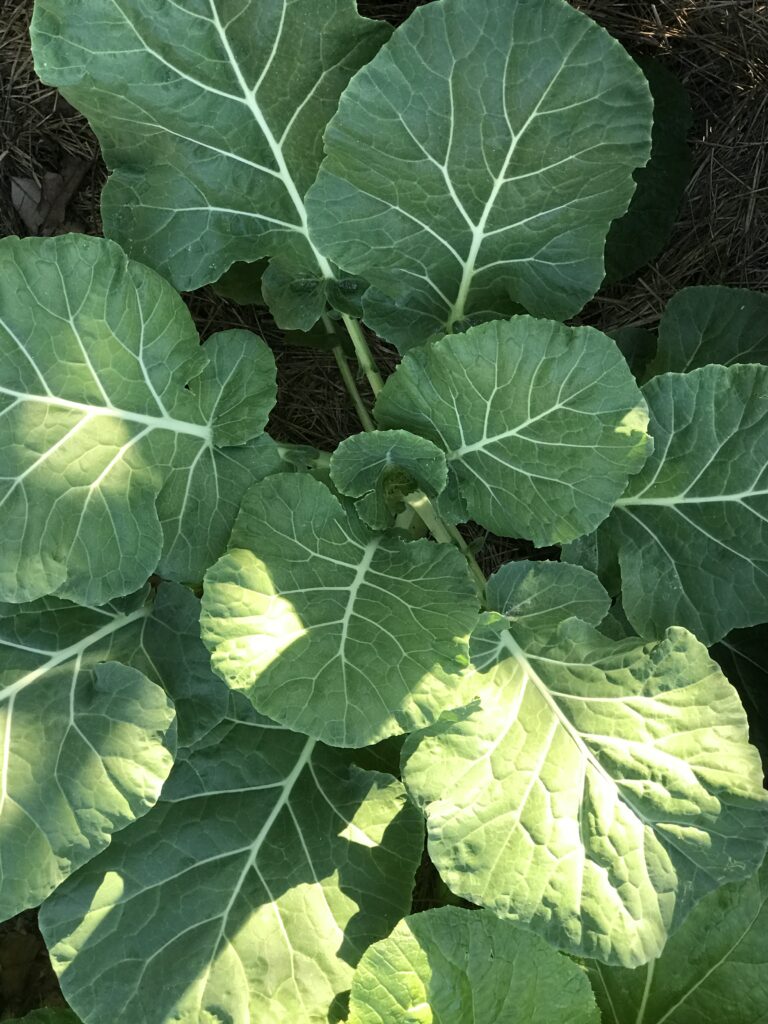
239	679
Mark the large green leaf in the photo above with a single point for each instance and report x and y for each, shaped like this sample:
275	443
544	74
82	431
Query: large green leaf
712	324
330	629
382	467
476	163
692	529
211	116
451	966
247	894
85	743
96	353
640	235
743	656
713	971
543	424
595	790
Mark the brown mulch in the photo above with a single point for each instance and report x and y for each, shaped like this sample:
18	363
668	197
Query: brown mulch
719	48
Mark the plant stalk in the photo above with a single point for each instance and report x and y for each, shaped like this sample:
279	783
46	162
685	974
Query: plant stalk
419	503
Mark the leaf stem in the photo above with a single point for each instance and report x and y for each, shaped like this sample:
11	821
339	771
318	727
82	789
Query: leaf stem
364	354
349	382
418	502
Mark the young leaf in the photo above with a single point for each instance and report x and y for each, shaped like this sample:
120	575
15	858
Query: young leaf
382	467
210	117
595	790
85	743
640	235
691	531
248	894
743	656
476	163
712	325
543	424
331	630
715	969
451	966
95	355
540	595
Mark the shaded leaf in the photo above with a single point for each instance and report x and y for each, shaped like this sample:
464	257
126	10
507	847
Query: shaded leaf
691	530
476	163
641	233
712	324
715	969
543	594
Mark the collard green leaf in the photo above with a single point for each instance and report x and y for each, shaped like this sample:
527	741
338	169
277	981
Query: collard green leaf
595	790
247	894
382	467
451	966
95	355
541	423
715	969
476	163
210	116
334	631
691	530
85	743
639	236
540	595
743	656
712	324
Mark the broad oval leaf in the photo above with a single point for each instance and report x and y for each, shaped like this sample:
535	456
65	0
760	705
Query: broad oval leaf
85	743
476	163
691	531
337	632
542	424
210	115
543	594
595	790
102	438
451	966
382	467
247	894
712	324
715	969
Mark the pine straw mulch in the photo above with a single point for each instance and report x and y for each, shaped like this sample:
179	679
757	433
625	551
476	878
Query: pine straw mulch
719	48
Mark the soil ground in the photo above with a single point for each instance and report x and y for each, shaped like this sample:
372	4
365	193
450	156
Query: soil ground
719	48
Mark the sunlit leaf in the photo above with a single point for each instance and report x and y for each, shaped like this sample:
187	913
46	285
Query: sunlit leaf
248	893
346	635
111	465
451	966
